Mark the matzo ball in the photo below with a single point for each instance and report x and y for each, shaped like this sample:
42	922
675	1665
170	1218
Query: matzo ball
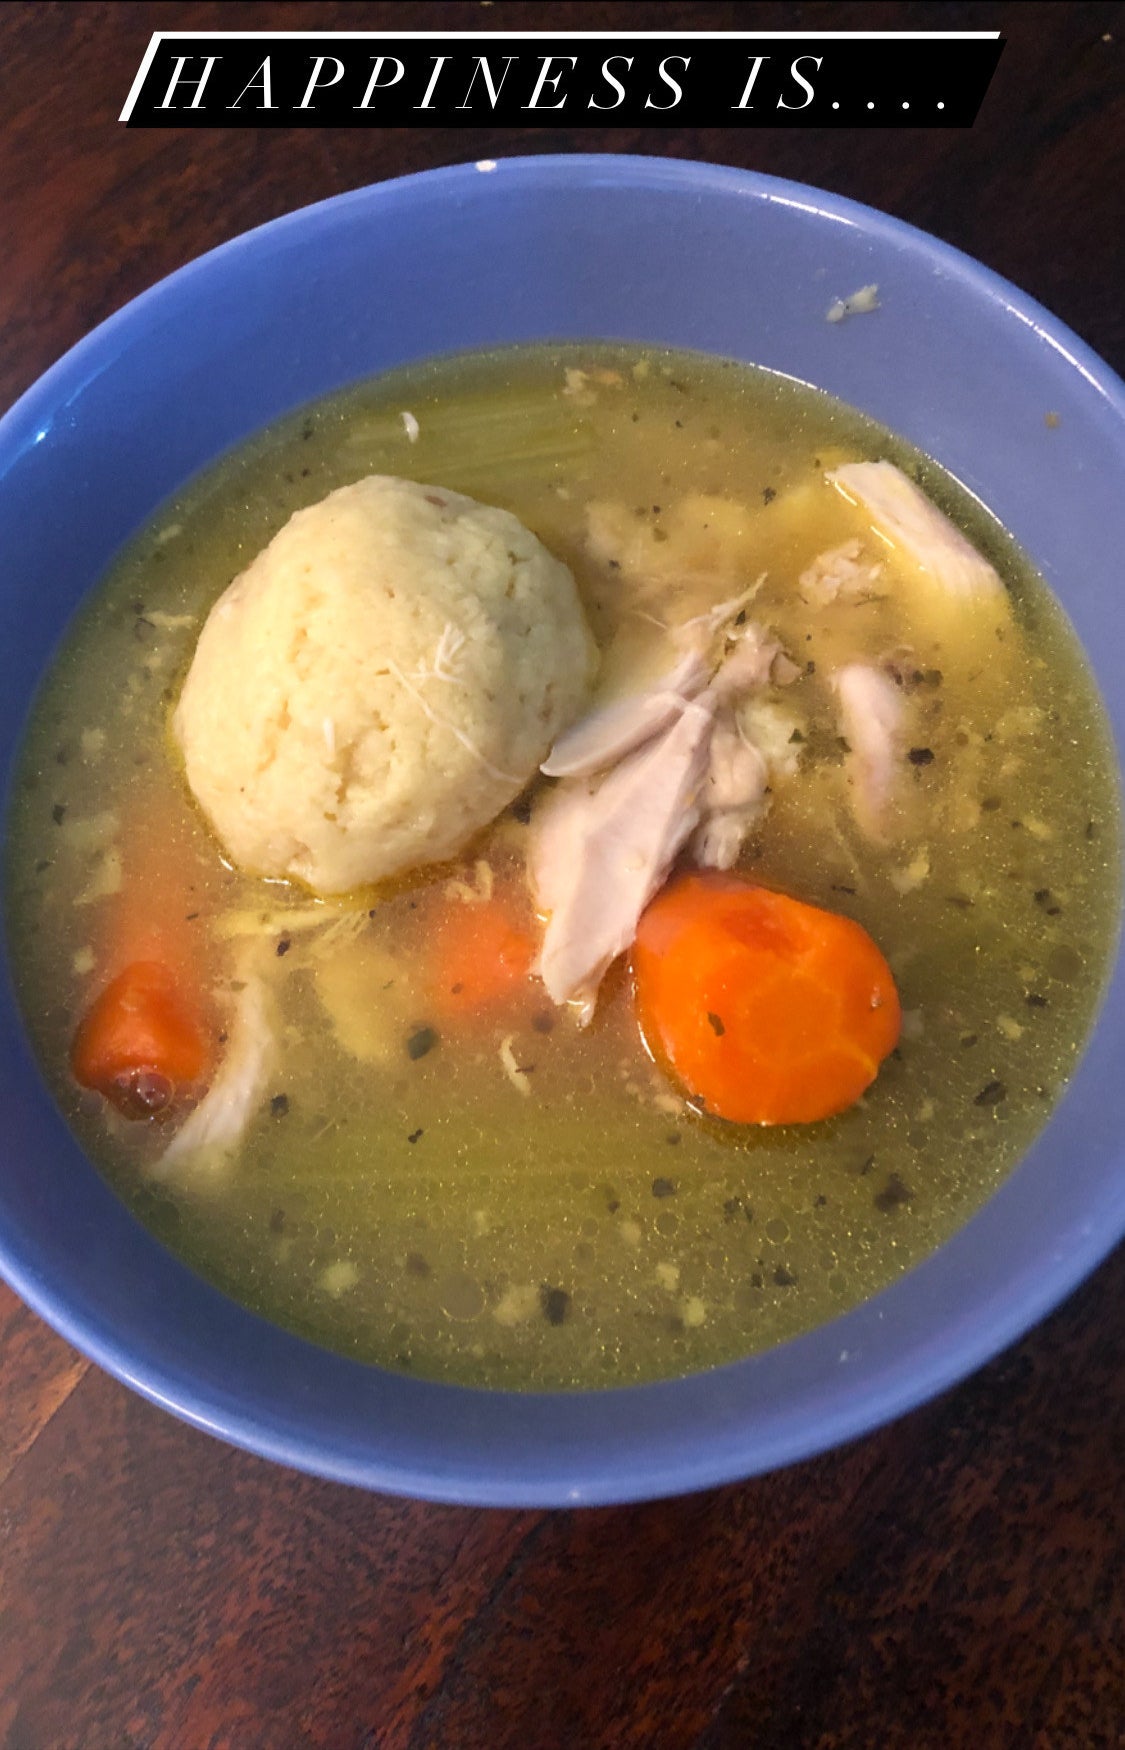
379	683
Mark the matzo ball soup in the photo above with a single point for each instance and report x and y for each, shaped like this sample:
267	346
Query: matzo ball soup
438	1163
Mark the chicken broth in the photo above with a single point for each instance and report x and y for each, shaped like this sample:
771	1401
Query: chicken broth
493	1193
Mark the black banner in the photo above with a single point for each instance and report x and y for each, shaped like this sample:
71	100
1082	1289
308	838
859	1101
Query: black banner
846	79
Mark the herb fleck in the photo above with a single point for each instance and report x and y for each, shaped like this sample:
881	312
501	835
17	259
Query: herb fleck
555	1303
894	1194
420	1042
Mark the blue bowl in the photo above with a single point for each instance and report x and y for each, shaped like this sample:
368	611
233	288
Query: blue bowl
643	249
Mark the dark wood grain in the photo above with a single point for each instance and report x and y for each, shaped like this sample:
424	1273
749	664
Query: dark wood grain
957	1580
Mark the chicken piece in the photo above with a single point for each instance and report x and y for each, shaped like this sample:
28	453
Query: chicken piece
735	796
598	854
212	1132
736	769
747	665
843	573
784	671
871	720
599	740
776	730
717	841
605	735
699	631
904	517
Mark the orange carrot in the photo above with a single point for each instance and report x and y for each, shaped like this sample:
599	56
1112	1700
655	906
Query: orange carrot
149	1034
482	957
141	1043
766	1009
155	915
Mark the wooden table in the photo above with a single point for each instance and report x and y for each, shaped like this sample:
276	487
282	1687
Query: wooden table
955	1580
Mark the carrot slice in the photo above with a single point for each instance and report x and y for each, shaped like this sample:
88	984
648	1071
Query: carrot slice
141	1042
482	958
150	1032
768	1010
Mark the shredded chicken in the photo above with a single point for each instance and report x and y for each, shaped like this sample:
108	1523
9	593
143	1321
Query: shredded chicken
212	1132
515	1073
747	665
598	741
736	771
679	767
713	620
599	853
776	730
783	670
903	516
871	715
843	573
475	892
284	920
735	795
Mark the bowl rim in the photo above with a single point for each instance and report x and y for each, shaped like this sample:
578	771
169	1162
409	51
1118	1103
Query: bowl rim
883	1389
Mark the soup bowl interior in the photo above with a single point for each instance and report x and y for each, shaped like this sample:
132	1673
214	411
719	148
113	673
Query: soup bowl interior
687	255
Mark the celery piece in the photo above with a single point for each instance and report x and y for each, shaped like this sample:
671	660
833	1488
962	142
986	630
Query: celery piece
477	442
